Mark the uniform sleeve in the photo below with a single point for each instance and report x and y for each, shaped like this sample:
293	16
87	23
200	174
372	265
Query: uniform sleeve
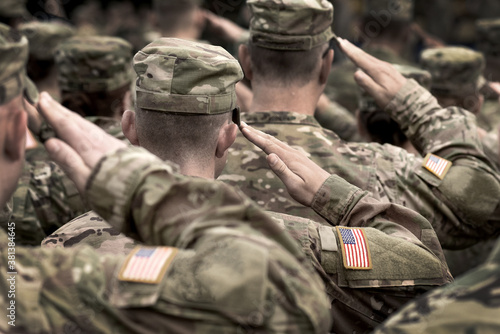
344	204
467	197
44	200
161	207
55	290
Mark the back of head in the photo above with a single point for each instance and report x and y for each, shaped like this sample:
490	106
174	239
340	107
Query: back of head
44	37
375	123
287	37
174	15
185	92
456	74
94	73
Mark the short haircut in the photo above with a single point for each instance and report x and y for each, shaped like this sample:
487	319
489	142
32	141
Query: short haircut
286	67
178	136
103	103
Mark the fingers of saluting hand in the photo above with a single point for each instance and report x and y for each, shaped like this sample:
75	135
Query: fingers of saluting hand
70	161
265	142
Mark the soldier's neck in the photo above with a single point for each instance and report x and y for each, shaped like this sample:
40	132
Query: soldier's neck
301	100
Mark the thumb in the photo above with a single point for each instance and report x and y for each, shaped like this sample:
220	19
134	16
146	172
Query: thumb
70	162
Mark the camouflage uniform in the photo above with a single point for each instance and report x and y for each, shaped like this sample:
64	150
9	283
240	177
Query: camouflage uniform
339	120
397	237
468	305
457	73
95	64
352	294
45	198
44	37
390	173
233	267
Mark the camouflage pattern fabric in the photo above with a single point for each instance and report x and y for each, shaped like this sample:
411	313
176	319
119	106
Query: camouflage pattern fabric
407	258
341	86
44	37
464	260
163	84
93	63
13	59
235	268
90	229
389	173
339	120
456	71
468	305
44	200
290	25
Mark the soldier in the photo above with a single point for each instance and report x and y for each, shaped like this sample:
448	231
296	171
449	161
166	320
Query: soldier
456	76
181	19
94	75
468	305
43	38
44	198
173	114
283	95
376	125
214	273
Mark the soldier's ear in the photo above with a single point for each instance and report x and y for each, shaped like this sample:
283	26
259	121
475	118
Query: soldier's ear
326	66
129	127
245	61
227	136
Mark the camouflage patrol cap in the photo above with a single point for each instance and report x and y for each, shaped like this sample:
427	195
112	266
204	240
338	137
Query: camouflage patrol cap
290	25
13	8
424	79
400	10
13	59
175	75
456	71
94	63
488	36
44	37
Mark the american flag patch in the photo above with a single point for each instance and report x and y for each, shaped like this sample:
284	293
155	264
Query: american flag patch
355	251
147	264
436	165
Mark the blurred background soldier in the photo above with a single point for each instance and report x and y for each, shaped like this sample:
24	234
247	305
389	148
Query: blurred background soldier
95	78
13	12
44	38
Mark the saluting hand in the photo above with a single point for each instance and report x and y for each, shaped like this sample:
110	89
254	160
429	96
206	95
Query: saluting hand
378	78
81	144
301	176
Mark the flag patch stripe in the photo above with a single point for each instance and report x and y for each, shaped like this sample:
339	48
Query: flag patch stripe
147	264
436	165
356	253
